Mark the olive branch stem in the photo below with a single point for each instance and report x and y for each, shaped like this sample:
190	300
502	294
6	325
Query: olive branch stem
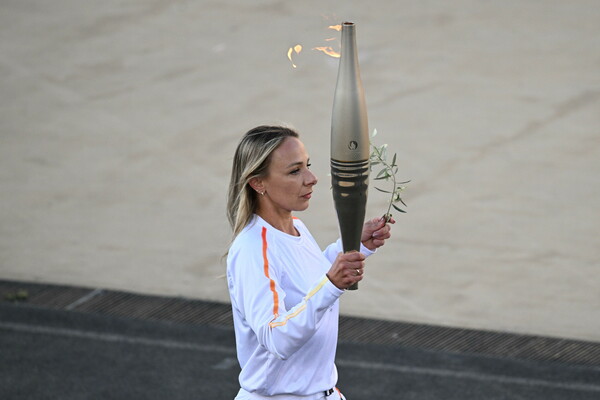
388	172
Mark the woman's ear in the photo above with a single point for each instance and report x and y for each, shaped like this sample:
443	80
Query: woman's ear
257	185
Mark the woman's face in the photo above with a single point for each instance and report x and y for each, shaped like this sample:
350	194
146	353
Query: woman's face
289	182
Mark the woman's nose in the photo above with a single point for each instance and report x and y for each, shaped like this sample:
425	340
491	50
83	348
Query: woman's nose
311	179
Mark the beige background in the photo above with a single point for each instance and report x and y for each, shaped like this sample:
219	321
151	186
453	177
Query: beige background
118	121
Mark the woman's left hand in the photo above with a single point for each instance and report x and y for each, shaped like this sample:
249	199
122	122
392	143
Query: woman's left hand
375	232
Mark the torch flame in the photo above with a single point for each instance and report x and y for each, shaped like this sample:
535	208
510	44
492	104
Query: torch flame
325	49
297	48
328	50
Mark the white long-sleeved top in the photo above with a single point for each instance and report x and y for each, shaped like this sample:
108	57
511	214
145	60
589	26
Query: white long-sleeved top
285	310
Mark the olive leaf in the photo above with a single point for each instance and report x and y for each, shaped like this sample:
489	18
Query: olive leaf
387	173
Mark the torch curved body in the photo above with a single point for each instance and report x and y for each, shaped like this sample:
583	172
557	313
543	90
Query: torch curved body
349	145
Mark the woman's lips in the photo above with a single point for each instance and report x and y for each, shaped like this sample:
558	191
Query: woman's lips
307	195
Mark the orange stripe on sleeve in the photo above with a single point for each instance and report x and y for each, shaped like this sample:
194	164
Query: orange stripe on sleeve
266	270
302	308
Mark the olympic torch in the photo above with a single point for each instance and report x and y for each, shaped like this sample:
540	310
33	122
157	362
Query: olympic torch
349	145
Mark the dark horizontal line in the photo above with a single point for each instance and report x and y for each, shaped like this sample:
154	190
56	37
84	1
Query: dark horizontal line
352	329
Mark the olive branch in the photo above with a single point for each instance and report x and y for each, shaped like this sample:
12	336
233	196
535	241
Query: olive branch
387	173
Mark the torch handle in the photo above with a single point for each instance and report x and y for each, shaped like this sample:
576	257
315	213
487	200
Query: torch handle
350	182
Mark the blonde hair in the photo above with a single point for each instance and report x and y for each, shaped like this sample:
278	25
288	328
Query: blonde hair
251	160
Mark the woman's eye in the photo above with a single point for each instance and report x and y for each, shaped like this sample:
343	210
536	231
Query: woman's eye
297	170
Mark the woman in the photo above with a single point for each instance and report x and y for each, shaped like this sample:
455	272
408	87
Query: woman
284	290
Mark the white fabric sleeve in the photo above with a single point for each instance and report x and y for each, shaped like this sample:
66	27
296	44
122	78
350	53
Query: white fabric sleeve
257	294
335	248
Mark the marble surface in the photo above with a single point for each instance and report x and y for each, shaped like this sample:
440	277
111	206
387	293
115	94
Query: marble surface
118	122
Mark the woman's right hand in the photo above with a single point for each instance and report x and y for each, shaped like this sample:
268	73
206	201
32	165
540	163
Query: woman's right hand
347	269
